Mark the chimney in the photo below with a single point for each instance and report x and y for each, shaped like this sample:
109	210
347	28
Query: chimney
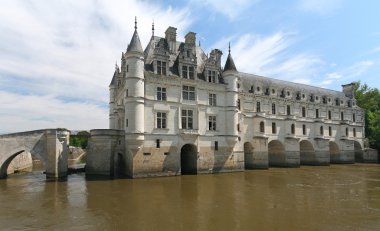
216	54
171	38
190	38
349	90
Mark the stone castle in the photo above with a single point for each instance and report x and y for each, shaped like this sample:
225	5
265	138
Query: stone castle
175	110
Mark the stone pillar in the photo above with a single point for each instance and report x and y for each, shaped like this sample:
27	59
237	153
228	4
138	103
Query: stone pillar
259	158
292	152
57	153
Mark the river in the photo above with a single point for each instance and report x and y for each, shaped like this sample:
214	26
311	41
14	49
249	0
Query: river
338	197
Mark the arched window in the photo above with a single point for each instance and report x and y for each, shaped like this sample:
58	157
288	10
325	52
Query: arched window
321	130
262	127
293	129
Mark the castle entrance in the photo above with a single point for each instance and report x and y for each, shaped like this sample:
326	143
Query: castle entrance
189	157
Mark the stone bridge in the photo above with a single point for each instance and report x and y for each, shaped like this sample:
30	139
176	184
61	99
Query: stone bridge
48	145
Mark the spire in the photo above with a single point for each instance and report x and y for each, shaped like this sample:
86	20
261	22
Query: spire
114	77
153	28
230	64
135	44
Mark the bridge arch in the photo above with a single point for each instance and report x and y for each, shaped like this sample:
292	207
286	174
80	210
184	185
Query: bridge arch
334	152
189	159
307	152
276	154
358	152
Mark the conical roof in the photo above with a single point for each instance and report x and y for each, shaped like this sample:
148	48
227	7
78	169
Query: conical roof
135	44
230	65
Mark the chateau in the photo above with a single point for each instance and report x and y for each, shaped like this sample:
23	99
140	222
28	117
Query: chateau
175	110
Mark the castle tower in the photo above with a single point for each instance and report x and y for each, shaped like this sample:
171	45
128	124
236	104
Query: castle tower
230	76
112	89
134	82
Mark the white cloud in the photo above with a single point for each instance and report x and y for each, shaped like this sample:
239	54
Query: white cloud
231	9
67	49
319	6
271	56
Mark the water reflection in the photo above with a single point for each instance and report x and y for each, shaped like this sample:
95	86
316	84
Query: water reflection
339	197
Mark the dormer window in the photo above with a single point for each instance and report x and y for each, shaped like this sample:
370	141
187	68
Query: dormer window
161	68
211	76
188	72
273	91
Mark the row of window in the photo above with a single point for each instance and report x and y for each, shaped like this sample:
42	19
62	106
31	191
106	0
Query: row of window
293	129
188	93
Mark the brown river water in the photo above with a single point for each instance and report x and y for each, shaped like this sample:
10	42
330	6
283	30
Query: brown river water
339	197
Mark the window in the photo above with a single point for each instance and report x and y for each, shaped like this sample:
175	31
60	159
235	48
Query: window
157	143
316	113
238	104
273	91
188	72
161	93
330	131
126	93
238	127
354	132
212	99
346	131
161	120
212	123
303	112
304	129
188	93
292	129
187	119
161	68
321	130
191	72
341	116
127	68
262	127
329	115
211	76
126	122
184	71
216	144
288	109
273	108
258	108
353	117
274	128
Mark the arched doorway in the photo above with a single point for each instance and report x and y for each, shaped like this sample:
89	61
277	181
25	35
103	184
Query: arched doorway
248	156
334	152
189	157
276	154
358	152
307	152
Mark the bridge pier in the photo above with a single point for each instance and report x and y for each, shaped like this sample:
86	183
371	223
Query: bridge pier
57	153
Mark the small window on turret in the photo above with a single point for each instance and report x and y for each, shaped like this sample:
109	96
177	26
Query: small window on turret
127	68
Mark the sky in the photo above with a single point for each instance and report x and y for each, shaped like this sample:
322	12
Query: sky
57	57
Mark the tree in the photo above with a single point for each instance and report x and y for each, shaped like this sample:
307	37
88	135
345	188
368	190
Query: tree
369	99
80	140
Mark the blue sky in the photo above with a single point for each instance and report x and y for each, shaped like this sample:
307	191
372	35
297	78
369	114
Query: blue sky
57	57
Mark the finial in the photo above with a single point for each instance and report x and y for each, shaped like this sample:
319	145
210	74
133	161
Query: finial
229	47
153	28
135	23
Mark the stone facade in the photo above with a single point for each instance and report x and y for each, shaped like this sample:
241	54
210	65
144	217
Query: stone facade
175	110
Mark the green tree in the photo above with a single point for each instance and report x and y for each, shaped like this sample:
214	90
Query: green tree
369	99
80	139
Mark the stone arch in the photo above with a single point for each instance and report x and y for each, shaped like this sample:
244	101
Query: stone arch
358	152
189	159
248	155
334	152
307	152
276	154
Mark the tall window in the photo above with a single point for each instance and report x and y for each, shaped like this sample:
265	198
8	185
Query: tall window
188	93
187	119
216	145
321	130
342	116
347	132
212	99
354	132
274	128
288	109
238	104
161	68
262	127
161	120
211	76
292	129
353	117
316	113
303	112
161	93
330	131
258	107
212	123
304	129
273	108
329	115
188	72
